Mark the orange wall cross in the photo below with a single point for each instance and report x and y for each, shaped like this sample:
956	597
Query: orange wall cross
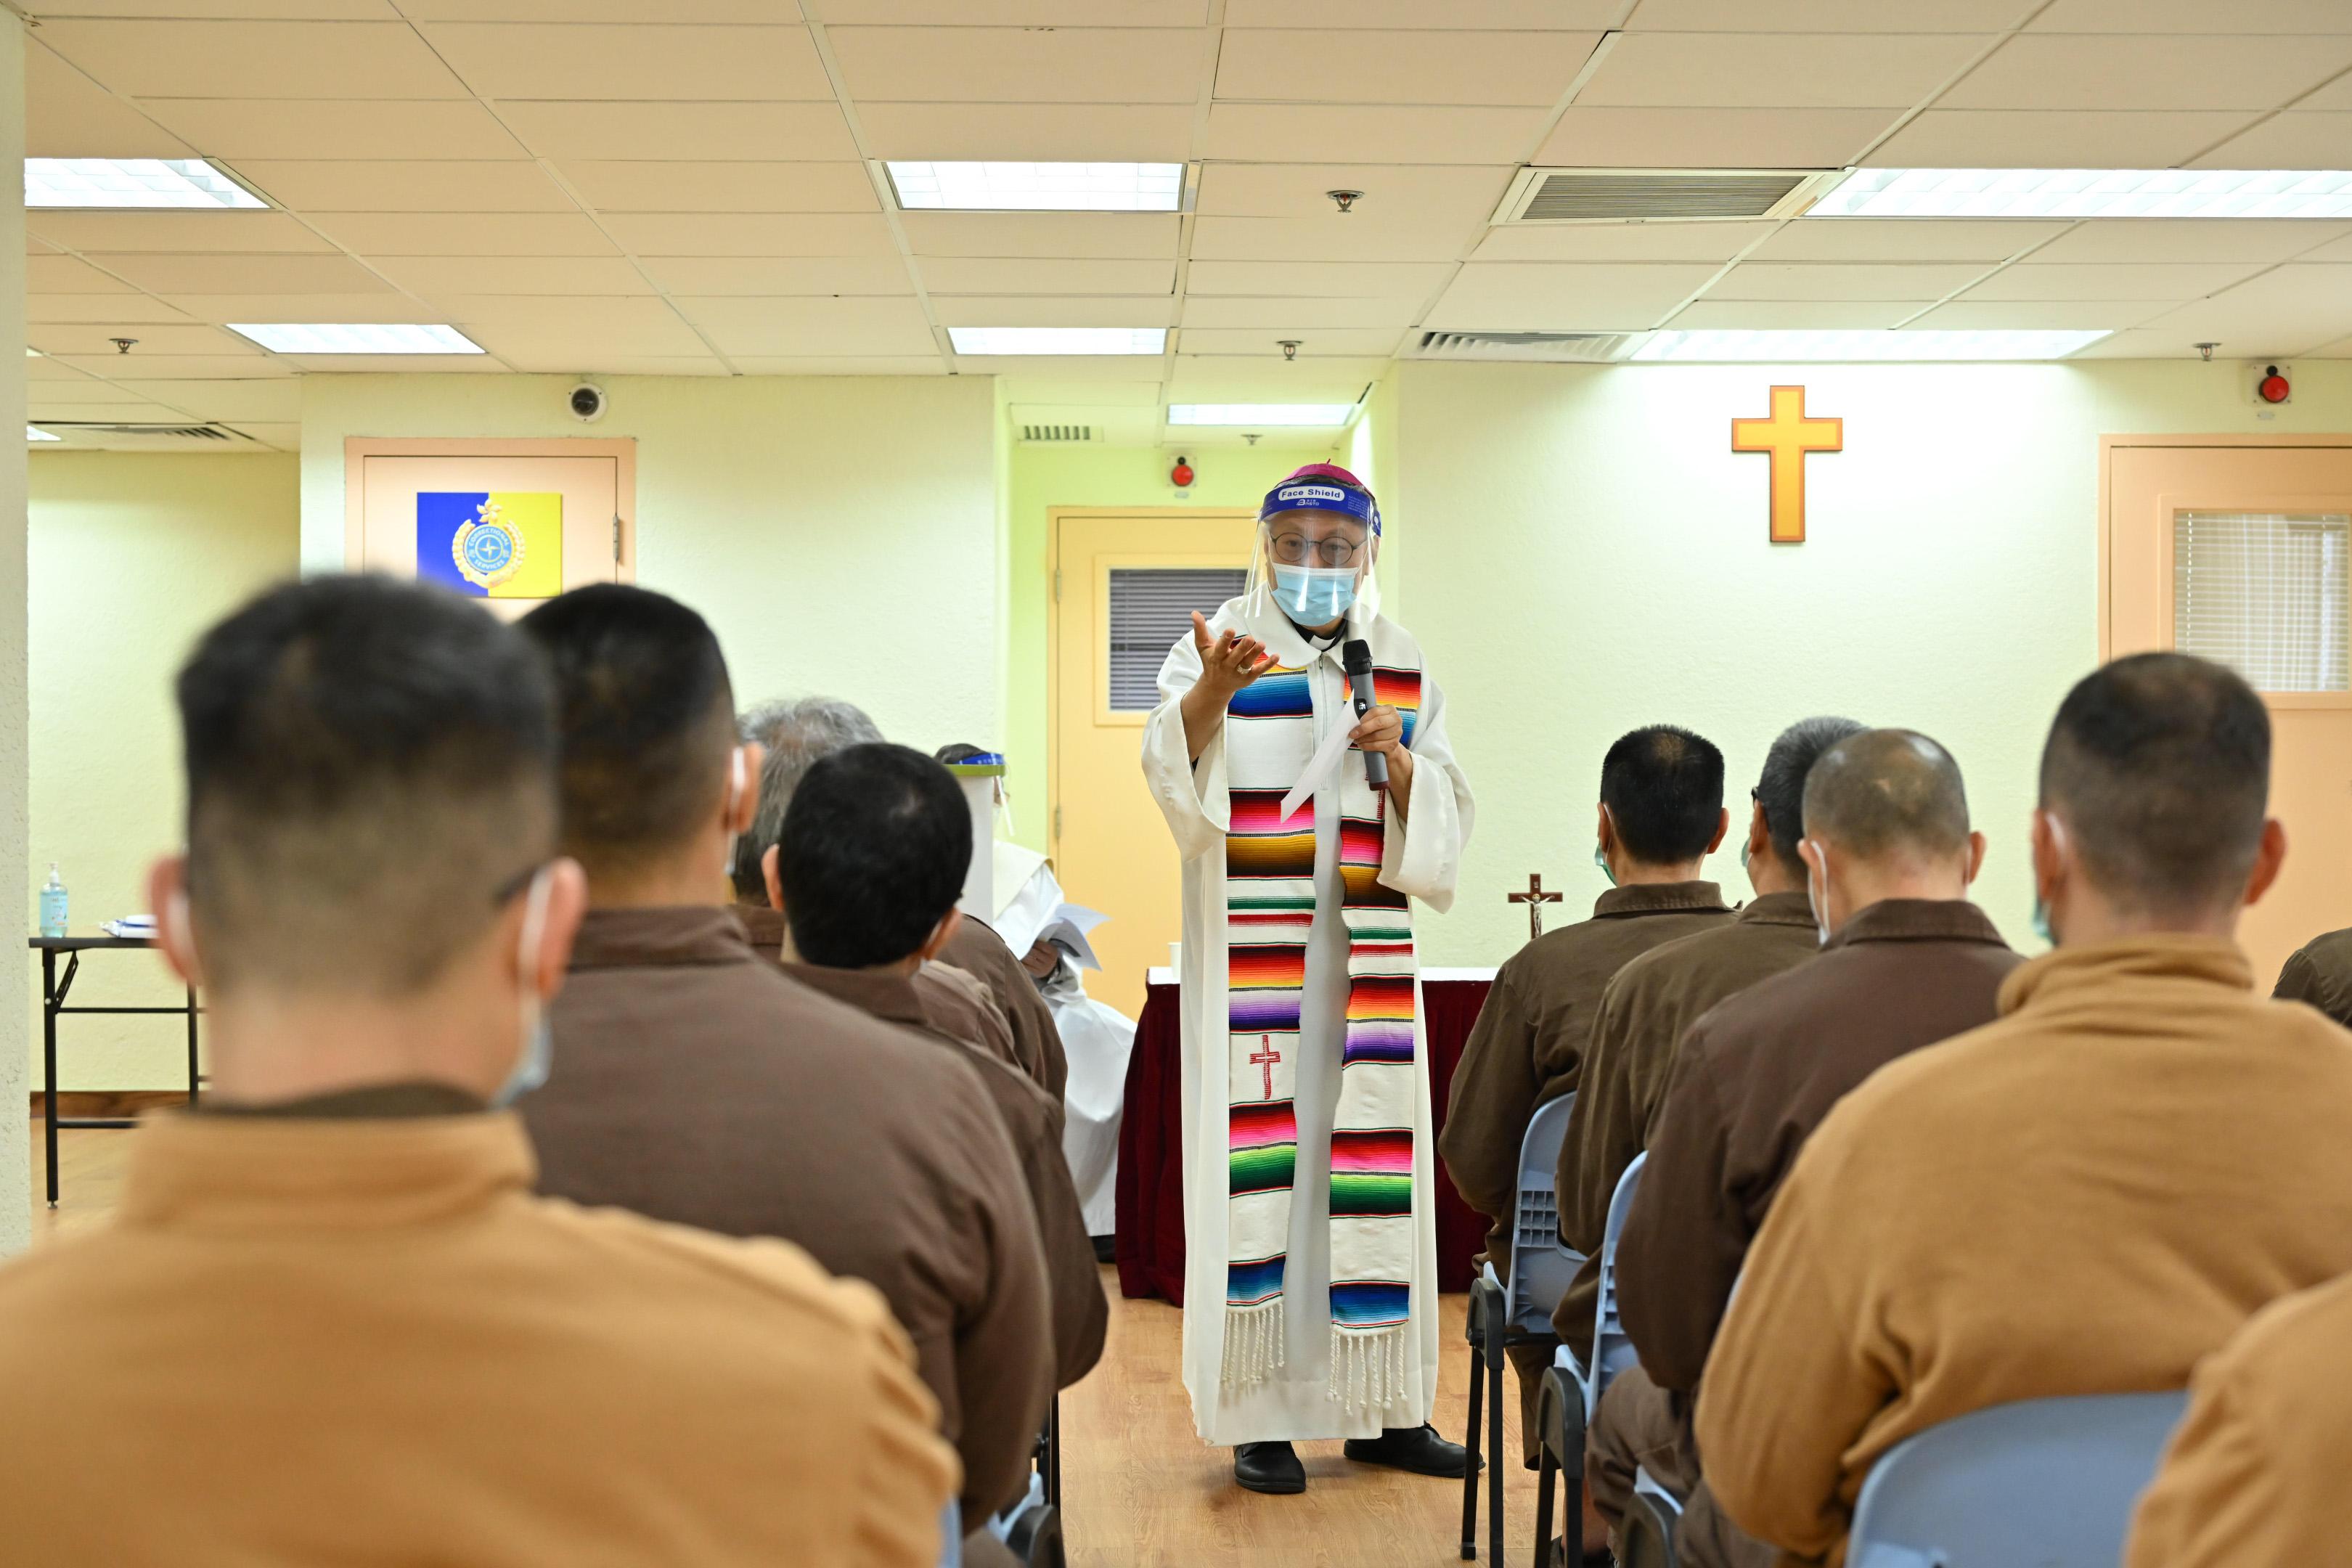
1788	436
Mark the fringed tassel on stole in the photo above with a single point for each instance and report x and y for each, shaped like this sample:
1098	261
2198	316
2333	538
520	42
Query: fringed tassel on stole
1255	1339
1367	1369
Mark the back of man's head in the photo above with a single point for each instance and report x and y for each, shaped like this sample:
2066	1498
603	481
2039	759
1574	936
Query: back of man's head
1664	789
2158	765
1889	797
371	770
796	732
1780	785
648	720
872	856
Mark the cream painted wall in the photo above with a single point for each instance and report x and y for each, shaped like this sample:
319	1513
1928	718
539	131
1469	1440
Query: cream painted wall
840	534
133	555
1587	554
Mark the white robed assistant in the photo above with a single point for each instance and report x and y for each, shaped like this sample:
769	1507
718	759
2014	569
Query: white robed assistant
1422	858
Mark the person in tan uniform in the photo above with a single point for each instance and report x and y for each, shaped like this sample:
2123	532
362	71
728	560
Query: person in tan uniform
1889	856
1651	1002
1661	814
867	871
329	1323
2254	1477
2085	1196
695	1082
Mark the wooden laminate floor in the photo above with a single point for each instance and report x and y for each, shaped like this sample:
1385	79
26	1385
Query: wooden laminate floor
1141	1490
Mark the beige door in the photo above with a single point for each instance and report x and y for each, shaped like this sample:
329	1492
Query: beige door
1125	583
2242	551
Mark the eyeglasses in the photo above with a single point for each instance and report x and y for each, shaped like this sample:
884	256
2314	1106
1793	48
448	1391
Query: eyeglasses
1295	549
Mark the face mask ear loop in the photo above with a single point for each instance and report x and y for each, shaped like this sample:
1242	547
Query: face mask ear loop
734	798
534	929
183	933
1822	904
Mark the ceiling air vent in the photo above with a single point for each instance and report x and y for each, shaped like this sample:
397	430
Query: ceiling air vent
1549	348
1036	434
1654	196
101	431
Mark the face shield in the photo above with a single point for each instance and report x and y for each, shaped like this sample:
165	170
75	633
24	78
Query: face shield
1316	542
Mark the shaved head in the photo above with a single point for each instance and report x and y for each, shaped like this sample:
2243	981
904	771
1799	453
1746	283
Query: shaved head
1888	795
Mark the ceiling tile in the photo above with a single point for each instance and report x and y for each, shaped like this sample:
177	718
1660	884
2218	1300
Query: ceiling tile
85	392
2189	239
863	365
141	409
1777	70
468	234
64	275
1358	67
801	326
1394	195
2114	315
363	185
1010	13
1144	132
2340	348
2053	139
1313	343
274	10
1764	315
1844	280
1326	133
1023	388
68	115
120	309
2043	70
277	398
221	232
1337	15
751	234
1221	378
2190	17
1133	235
564	359
631	11
1708	138
1033	275
708	131
1045	310
1020	65
1330	280
385	306
443	277
1357	236
247	274
2032	279
1619	241
2284	310
651	61
285	438
2335	95
1274	318
2295	140
770	275
158	58
2334	250
1826	16
1520	296
1903	239
620	324
161	341
1073	368
335	128
384	365
642	187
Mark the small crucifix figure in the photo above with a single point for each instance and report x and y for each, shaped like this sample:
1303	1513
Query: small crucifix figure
1264	1057
1535	897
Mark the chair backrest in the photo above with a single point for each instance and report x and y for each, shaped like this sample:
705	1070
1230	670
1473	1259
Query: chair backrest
952	1535
1613	1353
2046	1482
1542	1264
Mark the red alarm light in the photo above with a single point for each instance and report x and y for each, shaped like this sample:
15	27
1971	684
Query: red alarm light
2272	387
1181	475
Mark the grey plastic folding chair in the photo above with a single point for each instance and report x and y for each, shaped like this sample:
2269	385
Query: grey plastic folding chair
1572	1393
952	1535
2050	1482
1645	1537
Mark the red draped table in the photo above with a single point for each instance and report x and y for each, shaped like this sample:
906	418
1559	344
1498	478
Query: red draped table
1152	1138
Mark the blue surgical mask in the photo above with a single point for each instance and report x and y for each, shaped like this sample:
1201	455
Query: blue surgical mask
1314	596
538	1056
2041	921
1601	858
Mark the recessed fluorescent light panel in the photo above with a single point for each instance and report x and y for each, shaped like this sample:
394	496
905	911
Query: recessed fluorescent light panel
1058	340
1256	414
2090	193
1727	346
1039	188
35	433
131	182
356	338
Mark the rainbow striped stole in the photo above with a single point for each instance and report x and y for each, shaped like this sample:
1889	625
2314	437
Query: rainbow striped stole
1269	911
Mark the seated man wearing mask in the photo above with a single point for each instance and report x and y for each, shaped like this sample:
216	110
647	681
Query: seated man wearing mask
329	1323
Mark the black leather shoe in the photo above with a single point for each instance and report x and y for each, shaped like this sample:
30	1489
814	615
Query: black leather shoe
1269	1467
1416	1449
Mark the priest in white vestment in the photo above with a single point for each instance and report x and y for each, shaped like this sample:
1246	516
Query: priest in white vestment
1310	1289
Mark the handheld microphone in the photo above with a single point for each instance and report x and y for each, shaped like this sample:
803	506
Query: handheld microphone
1356	659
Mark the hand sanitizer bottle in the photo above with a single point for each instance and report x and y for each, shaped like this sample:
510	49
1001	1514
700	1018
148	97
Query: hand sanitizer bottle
53	904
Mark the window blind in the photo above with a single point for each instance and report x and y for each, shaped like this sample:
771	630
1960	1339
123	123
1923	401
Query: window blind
2263	592
1151	607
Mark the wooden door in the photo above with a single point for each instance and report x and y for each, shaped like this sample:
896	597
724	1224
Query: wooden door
1124	584
2241	549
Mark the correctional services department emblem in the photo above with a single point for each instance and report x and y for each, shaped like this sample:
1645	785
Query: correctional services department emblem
489	549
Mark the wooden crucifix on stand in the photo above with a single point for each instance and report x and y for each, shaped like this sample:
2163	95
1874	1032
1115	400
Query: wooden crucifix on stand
1535	897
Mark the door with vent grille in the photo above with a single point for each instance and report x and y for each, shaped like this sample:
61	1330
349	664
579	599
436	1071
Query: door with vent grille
1126	586
2241	551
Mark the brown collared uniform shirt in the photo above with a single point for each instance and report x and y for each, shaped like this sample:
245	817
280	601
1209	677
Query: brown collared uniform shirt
976	949
1528	1042
694	1082
2320	972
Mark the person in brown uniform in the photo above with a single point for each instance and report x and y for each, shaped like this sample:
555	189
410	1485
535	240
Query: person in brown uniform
2254	1477
1661	815
1890	856
1649	1004
329	1321
695	1082
867	870
2085	1197
2320	972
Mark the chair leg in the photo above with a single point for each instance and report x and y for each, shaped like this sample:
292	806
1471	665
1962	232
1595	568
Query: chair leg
1496	1360
1470	1435
1571	1471
1547	1476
